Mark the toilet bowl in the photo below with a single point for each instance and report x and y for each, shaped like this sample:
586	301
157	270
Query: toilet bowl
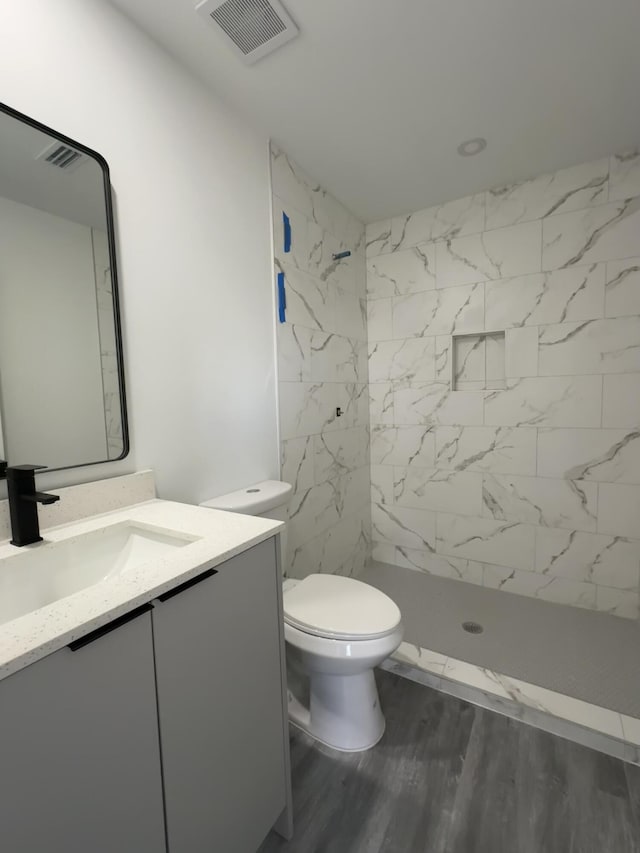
337	630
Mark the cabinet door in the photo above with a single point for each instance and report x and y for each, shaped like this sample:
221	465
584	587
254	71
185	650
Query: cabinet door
218	671
79	750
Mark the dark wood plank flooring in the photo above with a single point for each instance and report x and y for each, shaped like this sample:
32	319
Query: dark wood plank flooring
448	777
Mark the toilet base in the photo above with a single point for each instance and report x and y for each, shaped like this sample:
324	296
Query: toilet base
344	711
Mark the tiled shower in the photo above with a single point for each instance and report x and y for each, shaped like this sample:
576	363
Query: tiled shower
504	382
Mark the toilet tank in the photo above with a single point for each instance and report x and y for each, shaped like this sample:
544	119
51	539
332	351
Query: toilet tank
268	499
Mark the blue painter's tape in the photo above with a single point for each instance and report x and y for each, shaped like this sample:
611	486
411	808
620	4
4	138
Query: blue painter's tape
287	232
282	298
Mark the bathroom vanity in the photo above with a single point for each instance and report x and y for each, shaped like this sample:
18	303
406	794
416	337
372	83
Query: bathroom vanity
147	711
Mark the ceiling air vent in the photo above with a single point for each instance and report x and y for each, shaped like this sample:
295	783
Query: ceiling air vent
253	27
61	156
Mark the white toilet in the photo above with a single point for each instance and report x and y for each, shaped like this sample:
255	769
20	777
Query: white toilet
337	630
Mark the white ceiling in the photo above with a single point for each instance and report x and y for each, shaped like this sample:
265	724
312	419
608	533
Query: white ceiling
374	96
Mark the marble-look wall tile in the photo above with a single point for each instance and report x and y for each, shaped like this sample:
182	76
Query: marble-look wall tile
407	359
378	238
381	402
402	445
355	490
307	408
310	302
618	602
305	558
569	189
554	401
379	326
351	315
602	233
384	552
497	450
294	353
316	510
353	401
621	401
347	545
290	184
333	358
321	247
470	359
594	346
453	219
298	190
491	255
618	509
534	298
574	294
557	590
434	403
608	456
553	441
622	288
413	528
409	271
300	251
610	561
323	375
495	364
486	540
443	354
311	512
440	312
521	352
624	175
381	485
541	501
297	462
340	452
439	565
349	274
441	491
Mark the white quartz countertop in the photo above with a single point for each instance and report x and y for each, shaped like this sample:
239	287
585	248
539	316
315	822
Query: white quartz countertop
217	537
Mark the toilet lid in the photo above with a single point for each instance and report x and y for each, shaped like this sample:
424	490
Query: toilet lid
340	608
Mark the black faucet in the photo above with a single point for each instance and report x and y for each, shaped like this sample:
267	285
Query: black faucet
23	503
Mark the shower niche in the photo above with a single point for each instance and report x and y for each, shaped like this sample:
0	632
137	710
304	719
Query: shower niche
478	361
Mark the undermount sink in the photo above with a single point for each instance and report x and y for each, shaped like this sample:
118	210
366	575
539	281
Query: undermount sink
51	571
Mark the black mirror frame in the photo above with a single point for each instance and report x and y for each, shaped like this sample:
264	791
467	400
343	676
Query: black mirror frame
111	239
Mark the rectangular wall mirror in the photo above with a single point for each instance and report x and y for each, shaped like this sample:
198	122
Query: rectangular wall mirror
62	400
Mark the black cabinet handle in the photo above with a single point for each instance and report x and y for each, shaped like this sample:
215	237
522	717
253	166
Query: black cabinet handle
110	626
187	584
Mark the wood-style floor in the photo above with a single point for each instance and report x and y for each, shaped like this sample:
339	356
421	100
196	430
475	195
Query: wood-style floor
448	777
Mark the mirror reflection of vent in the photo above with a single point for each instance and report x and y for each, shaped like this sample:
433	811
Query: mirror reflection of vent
61	156
254	28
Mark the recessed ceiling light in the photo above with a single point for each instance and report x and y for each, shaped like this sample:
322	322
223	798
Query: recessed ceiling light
472	146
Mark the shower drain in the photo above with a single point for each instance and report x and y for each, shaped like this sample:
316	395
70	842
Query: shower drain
473	627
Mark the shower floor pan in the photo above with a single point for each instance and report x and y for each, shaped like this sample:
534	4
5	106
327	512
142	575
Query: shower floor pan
531	659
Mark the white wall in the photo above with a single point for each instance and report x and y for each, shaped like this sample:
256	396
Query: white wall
192	193
52	401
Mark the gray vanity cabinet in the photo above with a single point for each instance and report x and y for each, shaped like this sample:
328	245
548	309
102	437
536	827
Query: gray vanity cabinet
79	750
220	703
